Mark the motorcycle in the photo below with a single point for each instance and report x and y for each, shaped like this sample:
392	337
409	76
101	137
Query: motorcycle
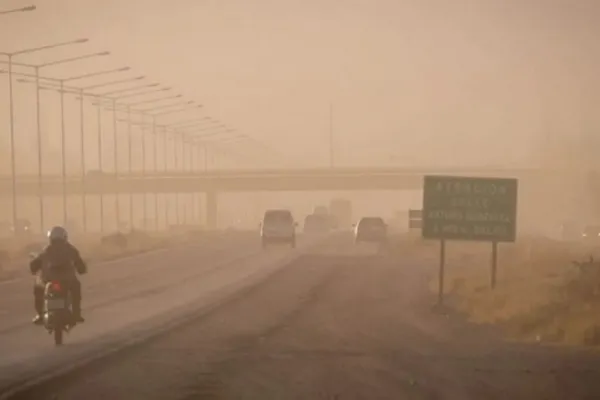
58	315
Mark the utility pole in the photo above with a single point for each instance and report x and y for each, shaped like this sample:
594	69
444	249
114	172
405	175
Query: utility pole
331	160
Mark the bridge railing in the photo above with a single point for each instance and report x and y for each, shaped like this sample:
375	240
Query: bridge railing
109	176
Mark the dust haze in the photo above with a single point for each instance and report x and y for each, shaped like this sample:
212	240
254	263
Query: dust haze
412	84
277	89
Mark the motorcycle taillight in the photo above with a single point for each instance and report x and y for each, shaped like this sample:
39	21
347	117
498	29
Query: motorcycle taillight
56	286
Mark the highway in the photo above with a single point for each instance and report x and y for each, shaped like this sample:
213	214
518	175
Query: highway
325	320
120	278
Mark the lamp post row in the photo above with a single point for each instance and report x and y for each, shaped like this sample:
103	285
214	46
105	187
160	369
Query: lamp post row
81	91
198	125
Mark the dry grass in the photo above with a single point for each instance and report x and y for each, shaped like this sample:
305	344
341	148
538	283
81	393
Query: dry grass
540	294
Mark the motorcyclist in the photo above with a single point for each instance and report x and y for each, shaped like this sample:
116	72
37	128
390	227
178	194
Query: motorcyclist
59	260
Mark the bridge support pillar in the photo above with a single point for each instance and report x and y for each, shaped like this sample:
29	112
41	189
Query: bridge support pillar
211	210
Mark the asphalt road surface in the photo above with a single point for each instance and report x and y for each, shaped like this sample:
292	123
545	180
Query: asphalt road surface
325	321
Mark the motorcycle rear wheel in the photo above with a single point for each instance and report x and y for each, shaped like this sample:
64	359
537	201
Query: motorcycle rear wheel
58	336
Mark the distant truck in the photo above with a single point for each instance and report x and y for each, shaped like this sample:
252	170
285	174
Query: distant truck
341	212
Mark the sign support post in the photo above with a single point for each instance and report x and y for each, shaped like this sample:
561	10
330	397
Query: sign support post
494	263
441	273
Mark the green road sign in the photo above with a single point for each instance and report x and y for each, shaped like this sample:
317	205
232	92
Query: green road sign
478	209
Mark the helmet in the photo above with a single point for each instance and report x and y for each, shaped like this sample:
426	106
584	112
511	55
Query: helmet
58	234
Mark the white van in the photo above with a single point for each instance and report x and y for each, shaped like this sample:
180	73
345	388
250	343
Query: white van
278	226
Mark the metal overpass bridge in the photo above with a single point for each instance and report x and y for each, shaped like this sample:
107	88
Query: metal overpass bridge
251	180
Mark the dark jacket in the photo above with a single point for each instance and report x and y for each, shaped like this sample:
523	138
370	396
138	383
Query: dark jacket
58	261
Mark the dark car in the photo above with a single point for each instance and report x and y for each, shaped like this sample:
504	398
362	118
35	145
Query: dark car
278	226
370	230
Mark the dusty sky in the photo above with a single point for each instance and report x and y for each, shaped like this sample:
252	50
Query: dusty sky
412	82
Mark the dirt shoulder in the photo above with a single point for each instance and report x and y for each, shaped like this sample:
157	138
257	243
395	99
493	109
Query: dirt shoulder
540	295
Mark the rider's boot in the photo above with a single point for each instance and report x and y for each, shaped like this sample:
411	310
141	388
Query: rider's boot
77	318
76	305
39	309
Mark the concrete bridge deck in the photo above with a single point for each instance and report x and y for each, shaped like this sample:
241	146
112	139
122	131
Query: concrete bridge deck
257	180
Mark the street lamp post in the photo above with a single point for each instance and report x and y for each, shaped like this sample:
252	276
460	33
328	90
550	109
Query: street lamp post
128	107
196	197
38	87
129	125
39	148
99	104
63	130
183	106
175	159
155	156
166	166
144	164
213	130
155	168
99	108
82	158
183	169
116	166
190	168
144	199
205	158
13	168
99	111
10	60
130	164
82	93
174	169
219	131
115	145
228	140
63	153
